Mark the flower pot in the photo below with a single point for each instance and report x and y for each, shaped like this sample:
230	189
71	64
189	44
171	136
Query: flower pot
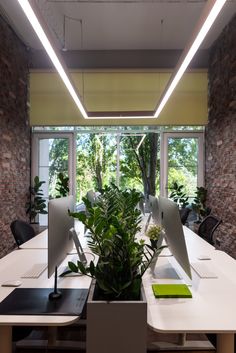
152	265
153	243
116	326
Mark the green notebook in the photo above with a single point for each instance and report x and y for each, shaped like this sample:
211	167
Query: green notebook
171	291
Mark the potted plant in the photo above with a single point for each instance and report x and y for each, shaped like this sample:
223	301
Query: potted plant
178	195
154	233
36	204
199	204
113	223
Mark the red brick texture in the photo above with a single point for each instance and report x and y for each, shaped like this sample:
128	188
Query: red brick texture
14	133
221	136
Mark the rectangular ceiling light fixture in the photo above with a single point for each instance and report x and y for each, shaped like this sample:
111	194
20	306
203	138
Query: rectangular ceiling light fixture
210	12
30	14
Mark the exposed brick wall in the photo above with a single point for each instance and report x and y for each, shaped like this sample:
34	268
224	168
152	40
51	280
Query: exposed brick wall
221	136
14	133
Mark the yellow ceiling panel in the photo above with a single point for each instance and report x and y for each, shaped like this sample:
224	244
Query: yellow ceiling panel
118	91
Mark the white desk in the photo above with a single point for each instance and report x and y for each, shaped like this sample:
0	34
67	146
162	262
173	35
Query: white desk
213	306
40	241
12	267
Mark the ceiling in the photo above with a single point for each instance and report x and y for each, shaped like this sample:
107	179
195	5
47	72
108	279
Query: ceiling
117	34
117	24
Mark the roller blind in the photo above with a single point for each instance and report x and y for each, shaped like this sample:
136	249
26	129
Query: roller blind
51	104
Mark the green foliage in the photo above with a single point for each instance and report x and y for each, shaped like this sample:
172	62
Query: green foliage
36	204
58	157
154	231
113	223
96	162
140	162
182	153
62	185
182	163
199	203
178	195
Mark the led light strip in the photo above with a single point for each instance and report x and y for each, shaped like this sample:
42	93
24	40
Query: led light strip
188	54
210	12
27	8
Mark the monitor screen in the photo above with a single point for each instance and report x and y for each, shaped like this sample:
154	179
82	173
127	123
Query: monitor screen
174	235
60	241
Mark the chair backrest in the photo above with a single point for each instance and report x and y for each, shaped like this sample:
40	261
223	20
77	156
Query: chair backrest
208	227
184	212
22	231
91	196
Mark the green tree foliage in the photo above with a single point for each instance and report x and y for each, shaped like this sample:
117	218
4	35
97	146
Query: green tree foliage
182	163
62	186
95	162
141	161
58	157
183	152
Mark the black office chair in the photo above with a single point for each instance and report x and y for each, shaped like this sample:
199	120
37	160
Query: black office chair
22	231
208	227
184	212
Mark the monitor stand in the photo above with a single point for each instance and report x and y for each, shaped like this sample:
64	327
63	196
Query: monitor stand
165	270
56	294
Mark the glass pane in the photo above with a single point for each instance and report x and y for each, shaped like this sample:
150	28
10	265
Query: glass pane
140	162
183	164
130	172
105	157
96	162
53	159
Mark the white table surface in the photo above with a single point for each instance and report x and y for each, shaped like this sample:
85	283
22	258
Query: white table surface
212	307
40	241
17	263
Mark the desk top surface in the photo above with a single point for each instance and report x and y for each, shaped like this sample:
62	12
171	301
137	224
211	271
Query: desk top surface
213	306
17	263
40	241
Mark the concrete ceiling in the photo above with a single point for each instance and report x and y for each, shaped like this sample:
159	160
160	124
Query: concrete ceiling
135	26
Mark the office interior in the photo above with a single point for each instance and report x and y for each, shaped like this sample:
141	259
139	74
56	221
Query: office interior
32	96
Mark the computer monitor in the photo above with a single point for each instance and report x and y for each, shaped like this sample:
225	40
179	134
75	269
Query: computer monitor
60	241
154	208
154	211
174	235
141	205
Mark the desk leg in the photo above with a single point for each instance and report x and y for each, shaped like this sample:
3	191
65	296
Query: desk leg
225	343
181	339
52	335
6	339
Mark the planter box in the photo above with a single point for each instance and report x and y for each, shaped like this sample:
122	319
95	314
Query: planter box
116	326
